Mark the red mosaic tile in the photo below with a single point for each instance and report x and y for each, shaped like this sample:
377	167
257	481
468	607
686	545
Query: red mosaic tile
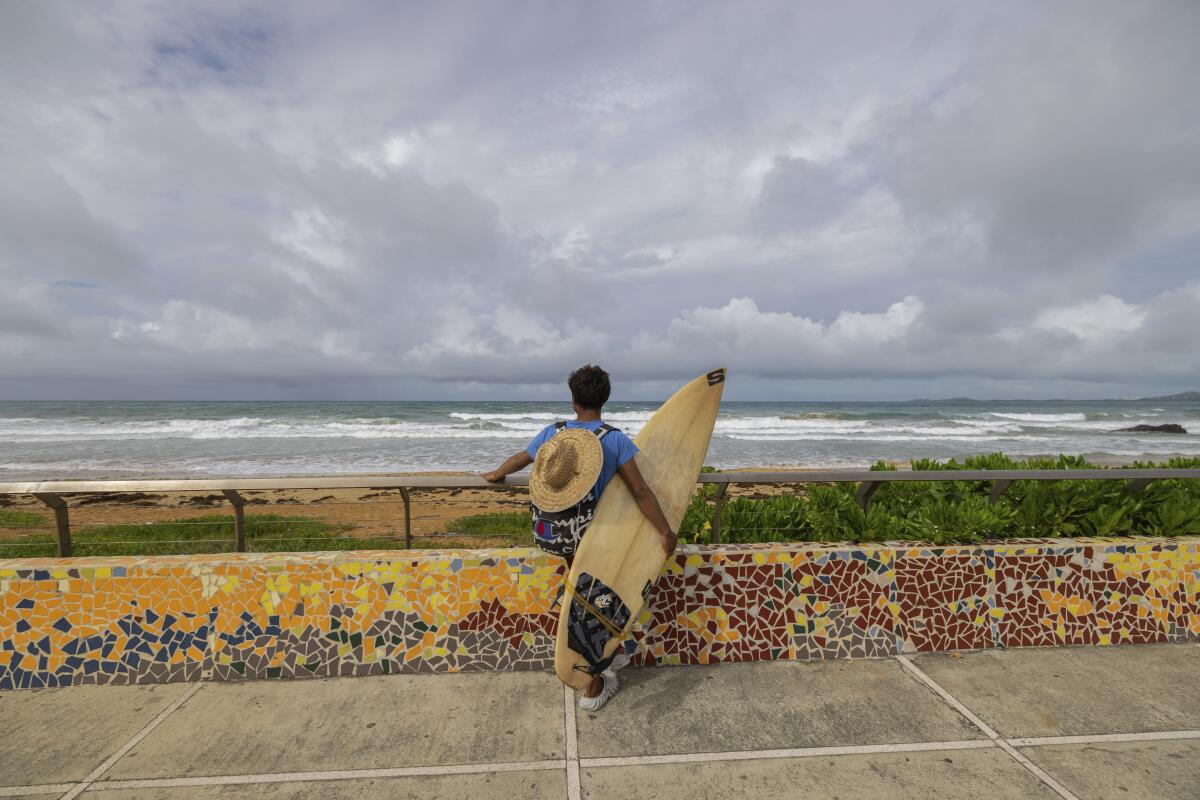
945	602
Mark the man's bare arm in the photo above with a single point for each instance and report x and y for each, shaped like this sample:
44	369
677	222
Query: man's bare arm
515	462
648	503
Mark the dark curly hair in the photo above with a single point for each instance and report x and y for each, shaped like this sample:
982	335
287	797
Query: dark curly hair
589	386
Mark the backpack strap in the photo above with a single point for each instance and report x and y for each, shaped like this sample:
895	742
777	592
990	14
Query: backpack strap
600	432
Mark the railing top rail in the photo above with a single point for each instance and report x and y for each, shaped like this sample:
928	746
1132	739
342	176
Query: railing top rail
886	476
519	480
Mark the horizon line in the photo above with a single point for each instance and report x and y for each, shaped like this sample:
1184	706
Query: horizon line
1160	399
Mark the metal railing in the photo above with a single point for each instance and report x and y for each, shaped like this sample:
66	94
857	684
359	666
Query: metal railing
51	493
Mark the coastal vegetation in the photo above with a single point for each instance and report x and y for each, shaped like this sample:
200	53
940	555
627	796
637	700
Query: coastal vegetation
938	512
949	512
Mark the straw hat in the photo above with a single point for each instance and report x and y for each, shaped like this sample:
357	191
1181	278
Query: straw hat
566	468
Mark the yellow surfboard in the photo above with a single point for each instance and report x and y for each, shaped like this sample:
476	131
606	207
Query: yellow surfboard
620	548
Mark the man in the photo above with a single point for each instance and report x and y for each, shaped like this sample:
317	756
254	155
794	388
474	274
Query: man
573	462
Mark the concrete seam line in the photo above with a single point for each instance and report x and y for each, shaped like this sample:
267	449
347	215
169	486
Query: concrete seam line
942	693
1040	773
1037	771
106	765
330	775
574	787
1103	738
795	752
45	788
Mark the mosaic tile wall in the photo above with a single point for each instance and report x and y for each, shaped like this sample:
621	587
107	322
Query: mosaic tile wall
145	620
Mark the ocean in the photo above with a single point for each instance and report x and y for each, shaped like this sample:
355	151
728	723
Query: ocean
55	440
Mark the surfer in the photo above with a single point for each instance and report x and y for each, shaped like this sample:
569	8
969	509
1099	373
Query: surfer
573	461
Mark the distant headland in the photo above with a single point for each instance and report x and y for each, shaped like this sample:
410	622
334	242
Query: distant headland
1181	397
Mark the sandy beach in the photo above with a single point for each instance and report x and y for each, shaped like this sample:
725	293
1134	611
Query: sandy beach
366	513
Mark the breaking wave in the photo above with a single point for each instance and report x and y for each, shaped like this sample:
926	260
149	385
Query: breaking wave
42	439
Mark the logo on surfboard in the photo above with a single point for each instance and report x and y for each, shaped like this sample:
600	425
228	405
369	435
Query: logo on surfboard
716	376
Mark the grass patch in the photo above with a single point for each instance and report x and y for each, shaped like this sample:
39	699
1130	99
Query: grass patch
265	533
501	523
459	544
23	519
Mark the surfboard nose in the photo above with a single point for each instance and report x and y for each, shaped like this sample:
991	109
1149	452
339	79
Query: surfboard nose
716	376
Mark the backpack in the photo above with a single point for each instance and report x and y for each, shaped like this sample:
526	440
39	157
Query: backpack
558	532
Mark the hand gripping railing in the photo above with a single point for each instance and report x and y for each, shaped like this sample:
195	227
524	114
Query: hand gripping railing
51	492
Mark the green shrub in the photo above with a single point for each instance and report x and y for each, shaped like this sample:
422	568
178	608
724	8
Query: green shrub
945	512
770	520
1176	516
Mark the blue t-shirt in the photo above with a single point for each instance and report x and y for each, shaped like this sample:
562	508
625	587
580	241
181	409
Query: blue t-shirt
617	447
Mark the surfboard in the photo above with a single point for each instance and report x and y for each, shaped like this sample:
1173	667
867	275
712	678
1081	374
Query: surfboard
620	548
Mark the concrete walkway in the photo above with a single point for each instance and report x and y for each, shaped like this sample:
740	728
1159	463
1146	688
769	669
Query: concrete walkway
1087	723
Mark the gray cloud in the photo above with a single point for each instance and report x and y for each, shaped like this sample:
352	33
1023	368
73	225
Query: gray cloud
1064	141
403	200
797	195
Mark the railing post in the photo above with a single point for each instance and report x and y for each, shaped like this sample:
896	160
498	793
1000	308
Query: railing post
239	519
407	519
866	490
998	488
718	504
1137	484
62	520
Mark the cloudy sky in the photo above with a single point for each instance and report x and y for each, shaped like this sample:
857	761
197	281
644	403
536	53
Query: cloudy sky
440	200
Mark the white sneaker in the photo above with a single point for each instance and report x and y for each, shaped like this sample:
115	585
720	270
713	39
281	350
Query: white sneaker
610	688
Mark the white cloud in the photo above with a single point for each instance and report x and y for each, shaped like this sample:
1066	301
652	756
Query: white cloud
396	152
186	326
311	234
891	324
774	344
1106	317
401	149
507	346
